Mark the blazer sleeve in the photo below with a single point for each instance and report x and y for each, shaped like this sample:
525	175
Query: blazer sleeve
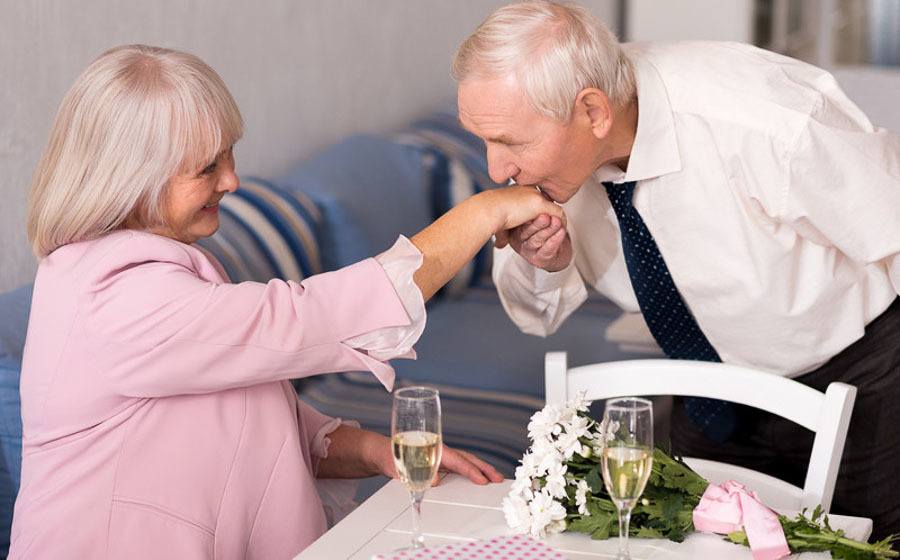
156	327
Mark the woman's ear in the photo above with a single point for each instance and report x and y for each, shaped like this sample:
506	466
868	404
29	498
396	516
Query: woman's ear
594	106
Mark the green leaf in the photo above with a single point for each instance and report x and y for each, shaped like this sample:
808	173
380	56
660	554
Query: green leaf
594	480
649	533
674	474
600	507
666	511
605	527
586	524
597	525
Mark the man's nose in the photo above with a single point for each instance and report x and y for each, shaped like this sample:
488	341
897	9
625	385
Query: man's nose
500	168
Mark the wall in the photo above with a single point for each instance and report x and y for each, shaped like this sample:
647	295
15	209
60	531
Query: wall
304	72
716	20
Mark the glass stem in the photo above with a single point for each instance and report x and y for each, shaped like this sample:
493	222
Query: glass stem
624	524
418	541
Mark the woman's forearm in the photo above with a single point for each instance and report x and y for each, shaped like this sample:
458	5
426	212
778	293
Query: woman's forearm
451	241
354	453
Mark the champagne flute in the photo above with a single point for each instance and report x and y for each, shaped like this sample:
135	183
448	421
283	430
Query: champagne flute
627	458
416	445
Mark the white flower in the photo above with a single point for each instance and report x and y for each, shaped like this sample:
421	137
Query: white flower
523	485
556	480
517	513
580	427
520	484
529	465
552	457
535	503
566	415
579	403
544	511
556	527
544	423
542	447
608	430
568	443
581	494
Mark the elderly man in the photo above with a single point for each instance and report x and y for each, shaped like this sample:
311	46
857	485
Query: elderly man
733	196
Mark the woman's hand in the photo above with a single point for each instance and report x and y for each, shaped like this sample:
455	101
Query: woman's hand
451	241
467	464
516	205
452	460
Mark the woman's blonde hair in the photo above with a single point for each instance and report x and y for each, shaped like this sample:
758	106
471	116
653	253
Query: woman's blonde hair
137	117
554	49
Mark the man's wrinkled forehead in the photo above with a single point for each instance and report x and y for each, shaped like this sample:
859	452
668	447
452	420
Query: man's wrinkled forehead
492	109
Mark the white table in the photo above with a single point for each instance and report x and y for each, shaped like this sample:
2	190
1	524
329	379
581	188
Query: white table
458	510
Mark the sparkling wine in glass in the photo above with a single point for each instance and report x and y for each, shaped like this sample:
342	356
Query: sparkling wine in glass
416	444
627	458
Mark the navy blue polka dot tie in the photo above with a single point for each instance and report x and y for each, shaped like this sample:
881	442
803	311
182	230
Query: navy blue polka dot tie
668	317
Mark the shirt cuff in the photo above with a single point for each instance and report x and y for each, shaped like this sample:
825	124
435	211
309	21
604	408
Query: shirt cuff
400	263
545	281
337	494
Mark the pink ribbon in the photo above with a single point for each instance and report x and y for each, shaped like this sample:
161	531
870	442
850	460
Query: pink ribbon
729	506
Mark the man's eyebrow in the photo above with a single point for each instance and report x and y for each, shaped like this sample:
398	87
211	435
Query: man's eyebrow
502	139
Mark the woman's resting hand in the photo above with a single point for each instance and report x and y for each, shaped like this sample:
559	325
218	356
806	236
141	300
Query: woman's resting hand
454	461
356	453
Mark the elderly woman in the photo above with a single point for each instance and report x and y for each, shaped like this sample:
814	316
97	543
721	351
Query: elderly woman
158	420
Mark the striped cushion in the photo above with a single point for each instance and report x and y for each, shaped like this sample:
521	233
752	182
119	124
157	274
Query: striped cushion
458	165
266	232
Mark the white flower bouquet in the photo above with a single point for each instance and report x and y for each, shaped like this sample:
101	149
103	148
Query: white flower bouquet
559	487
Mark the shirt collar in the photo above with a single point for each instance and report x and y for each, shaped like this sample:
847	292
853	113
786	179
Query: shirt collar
655	149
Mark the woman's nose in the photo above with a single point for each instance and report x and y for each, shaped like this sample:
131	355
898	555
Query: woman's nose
229	181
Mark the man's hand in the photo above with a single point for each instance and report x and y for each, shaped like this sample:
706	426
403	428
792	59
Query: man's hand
543	242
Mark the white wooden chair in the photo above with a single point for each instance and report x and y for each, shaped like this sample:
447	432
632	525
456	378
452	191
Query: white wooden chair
827	414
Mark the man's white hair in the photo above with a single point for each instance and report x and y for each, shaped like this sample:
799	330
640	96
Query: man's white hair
554	50
135	118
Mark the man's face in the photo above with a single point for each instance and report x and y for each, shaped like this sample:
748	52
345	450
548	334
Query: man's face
524	145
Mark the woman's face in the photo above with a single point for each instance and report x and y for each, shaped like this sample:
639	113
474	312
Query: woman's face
191	202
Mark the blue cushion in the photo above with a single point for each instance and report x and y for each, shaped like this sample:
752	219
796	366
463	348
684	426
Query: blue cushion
460	170
370	189
14	308
497	356
266	232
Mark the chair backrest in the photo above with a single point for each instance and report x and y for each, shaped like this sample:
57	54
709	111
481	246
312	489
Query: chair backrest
827	414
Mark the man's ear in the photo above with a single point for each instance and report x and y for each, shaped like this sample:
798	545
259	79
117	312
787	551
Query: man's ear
593	104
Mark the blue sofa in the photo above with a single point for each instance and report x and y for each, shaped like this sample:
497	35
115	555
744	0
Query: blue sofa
347	203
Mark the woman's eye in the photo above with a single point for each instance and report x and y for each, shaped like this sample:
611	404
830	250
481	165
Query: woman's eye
209	169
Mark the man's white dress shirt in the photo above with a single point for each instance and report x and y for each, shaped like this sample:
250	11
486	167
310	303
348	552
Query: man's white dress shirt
773	200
